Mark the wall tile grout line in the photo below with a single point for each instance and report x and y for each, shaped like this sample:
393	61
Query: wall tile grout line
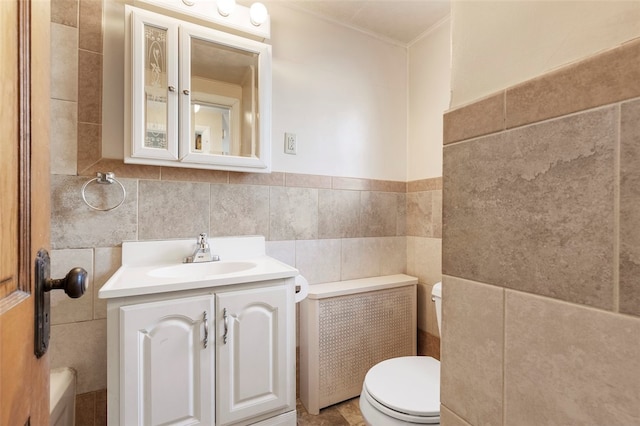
616	211
504	355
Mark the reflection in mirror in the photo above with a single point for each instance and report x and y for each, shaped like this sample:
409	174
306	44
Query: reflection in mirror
212	129
224	99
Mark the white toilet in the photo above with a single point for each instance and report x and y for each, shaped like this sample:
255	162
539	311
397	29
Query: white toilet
404	390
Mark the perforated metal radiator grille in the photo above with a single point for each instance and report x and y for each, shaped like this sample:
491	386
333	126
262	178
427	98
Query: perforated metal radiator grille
354	333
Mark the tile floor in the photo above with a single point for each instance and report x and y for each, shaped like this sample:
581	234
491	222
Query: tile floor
346	413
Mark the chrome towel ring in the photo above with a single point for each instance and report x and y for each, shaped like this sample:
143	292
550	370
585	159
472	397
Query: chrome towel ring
104	178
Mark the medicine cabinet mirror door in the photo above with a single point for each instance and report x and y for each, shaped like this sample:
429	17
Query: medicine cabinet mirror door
224	100
154	87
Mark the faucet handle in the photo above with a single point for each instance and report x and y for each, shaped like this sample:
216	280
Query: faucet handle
202	239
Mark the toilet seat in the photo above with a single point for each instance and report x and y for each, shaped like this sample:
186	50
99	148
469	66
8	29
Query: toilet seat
405	388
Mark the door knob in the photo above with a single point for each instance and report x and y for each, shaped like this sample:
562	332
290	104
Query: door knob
74	285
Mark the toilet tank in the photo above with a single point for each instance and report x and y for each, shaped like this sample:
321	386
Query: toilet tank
436	296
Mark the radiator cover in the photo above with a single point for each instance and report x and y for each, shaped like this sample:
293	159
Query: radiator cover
346	328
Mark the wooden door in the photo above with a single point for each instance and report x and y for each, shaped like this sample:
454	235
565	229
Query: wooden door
24	204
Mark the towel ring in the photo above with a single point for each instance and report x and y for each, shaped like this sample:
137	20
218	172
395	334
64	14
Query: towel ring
104	178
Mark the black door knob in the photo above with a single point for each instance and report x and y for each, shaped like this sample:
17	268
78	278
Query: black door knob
74	283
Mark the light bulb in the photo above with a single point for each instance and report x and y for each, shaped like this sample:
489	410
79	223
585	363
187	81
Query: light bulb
258	14
196	108
225	7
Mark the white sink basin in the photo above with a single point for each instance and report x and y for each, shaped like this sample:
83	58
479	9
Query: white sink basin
200	270
150	267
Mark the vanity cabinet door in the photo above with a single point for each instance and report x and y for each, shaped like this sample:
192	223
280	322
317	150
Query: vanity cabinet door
255	353
167	356
154	86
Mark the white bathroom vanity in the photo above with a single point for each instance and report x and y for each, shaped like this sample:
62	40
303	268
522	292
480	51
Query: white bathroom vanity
201	343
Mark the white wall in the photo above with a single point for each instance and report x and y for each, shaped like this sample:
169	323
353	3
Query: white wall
429	97
497	44
343	93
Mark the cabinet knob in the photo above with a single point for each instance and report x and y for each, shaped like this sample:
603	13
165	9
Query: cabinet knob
186	91
172	88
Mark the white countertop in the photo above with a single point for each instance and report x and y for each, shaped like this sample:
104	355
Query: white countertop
140	258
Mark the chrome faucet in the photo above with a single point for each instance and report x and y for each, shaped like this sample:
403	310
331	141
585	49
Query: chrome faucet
202	252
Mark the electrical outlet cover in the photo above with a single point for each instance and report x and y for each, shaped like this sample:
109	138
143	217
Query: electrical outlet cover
290	143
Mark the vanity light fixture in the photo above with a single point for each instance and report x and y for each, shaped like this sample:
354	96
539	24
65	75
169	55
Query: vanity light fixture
225	7
258	14
226	14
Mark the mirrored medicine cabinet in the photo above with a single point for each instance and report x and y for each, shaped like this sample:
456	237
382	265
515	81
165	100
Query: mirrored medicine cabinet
199	97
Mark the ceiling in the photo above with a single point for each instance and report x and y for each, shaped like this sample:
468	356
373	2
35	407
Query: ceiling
401	21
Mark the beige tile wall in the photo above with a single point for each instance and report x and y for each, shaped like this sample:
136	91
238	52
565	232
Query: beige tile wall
157	209
586	371
629	300
424	255
472	347
534	212
331	228
540	250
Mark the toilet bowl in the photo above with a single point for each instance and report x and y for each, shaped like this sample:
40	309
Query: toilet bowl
404	390
62	397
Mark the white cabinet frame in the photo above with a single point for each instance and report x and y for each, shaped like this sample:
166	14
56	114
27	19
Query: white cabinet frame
258	312
178	130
